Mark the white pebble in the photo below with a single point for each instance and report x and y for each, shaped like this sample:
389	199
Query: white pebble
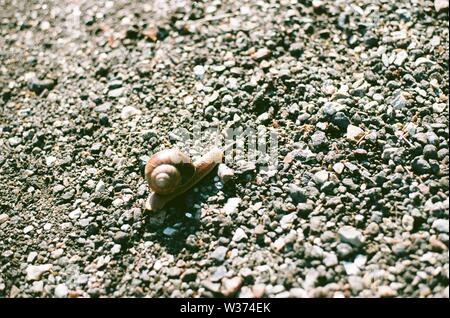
35	272
279	244
100	187
423	60
239	235
338	167
354	133
129	111
287	220
37	287
441	225
400	58
61	291
57	253
50	161
350	268
349	234
3	218
48	226
320	177
115	249
199	71
225	173
31	257
75	214
45	25
440	5
28	229
232	205
330	260
407	222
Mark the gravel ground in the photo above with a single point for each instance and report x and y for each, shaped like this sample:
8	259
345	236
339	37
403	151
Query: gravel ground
357	90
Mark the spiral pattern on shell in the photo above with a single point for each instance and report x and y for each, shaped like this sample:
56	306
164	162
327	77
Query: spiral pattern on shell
167	170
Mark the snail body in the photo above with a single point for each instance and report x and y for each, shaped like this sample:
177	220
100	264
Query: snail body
170	173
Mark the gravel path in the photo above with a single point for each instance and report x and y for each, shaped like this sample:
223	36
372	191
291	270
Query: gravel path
357	90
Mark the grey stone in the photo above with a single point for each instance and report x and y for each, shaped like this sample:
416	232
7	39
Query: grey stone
331	108
320	177
75	214
318	140
441	225
169	231
430	152
399	102
341	120
296	49
348	234
121	237
305	208
218	274
39	85
219	253
420	166
100	187
14	141
189	275
330	260
296	193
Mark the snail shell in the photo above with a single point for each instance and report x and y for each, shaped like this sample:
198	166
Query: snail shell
170	173
167	170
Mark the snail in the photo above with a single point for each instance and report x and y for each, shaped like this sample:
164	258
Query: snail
170	173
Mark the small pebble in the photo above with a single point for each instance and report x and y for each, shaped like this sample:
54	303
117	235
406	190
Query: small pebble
231	285
61	291
129	111
232	205
225	173
320	177
354	133
441	225
239	235
34	272
219	253
349	234
3	218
